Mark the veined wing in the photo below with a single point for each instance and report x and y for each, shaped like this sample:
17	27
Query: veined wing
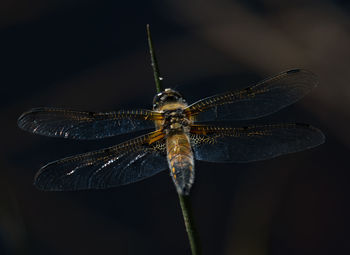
245	144
85	125
125	163
255	101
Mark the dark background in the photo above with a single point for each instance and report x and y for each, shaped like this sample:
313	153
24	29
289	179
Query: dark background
92	55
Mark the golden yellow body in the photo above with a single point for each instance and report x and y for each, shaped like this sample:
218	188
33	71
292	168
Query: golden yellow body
179	151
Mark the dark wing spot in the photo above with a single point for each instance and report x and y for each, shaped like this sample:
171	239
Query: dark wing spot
293	71
107	150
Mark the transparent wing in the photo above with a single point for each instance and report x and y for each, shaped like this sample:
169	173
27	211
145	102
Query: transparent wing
85	125
256	101
245	144
125	163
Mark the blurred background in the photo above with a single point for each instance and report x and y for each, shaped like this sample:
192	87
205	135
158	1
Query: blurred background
93	55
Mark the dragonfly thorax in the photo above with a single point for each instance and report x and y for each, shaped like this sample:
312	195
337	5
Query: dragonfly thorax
175	121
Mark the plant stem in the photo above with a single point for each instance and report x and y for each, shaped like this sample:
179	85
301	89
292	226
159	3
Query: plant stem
185	201
154	63
189	223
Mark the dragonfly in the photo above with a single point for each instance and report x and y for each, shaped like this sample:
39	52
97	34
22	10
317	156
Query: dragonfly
182	133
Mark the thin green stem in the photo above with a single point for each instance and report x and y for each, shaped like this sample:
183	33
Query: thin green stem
189	223
156	73
185	201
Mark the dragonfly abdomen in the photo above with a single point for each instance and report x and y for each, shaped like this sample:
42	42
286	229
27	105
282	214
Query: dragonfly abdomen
180	160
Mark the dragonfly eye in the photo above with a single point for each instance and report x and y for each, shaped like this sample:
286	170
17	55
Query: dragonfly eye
168	95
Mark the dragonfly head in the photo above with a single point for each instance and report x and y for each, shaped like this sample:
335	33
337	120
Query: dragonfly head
167	96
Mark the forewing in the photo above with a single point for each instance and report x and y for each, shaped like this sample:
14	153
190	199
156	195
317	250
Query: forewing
80	125
255	101
125	163
245	144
